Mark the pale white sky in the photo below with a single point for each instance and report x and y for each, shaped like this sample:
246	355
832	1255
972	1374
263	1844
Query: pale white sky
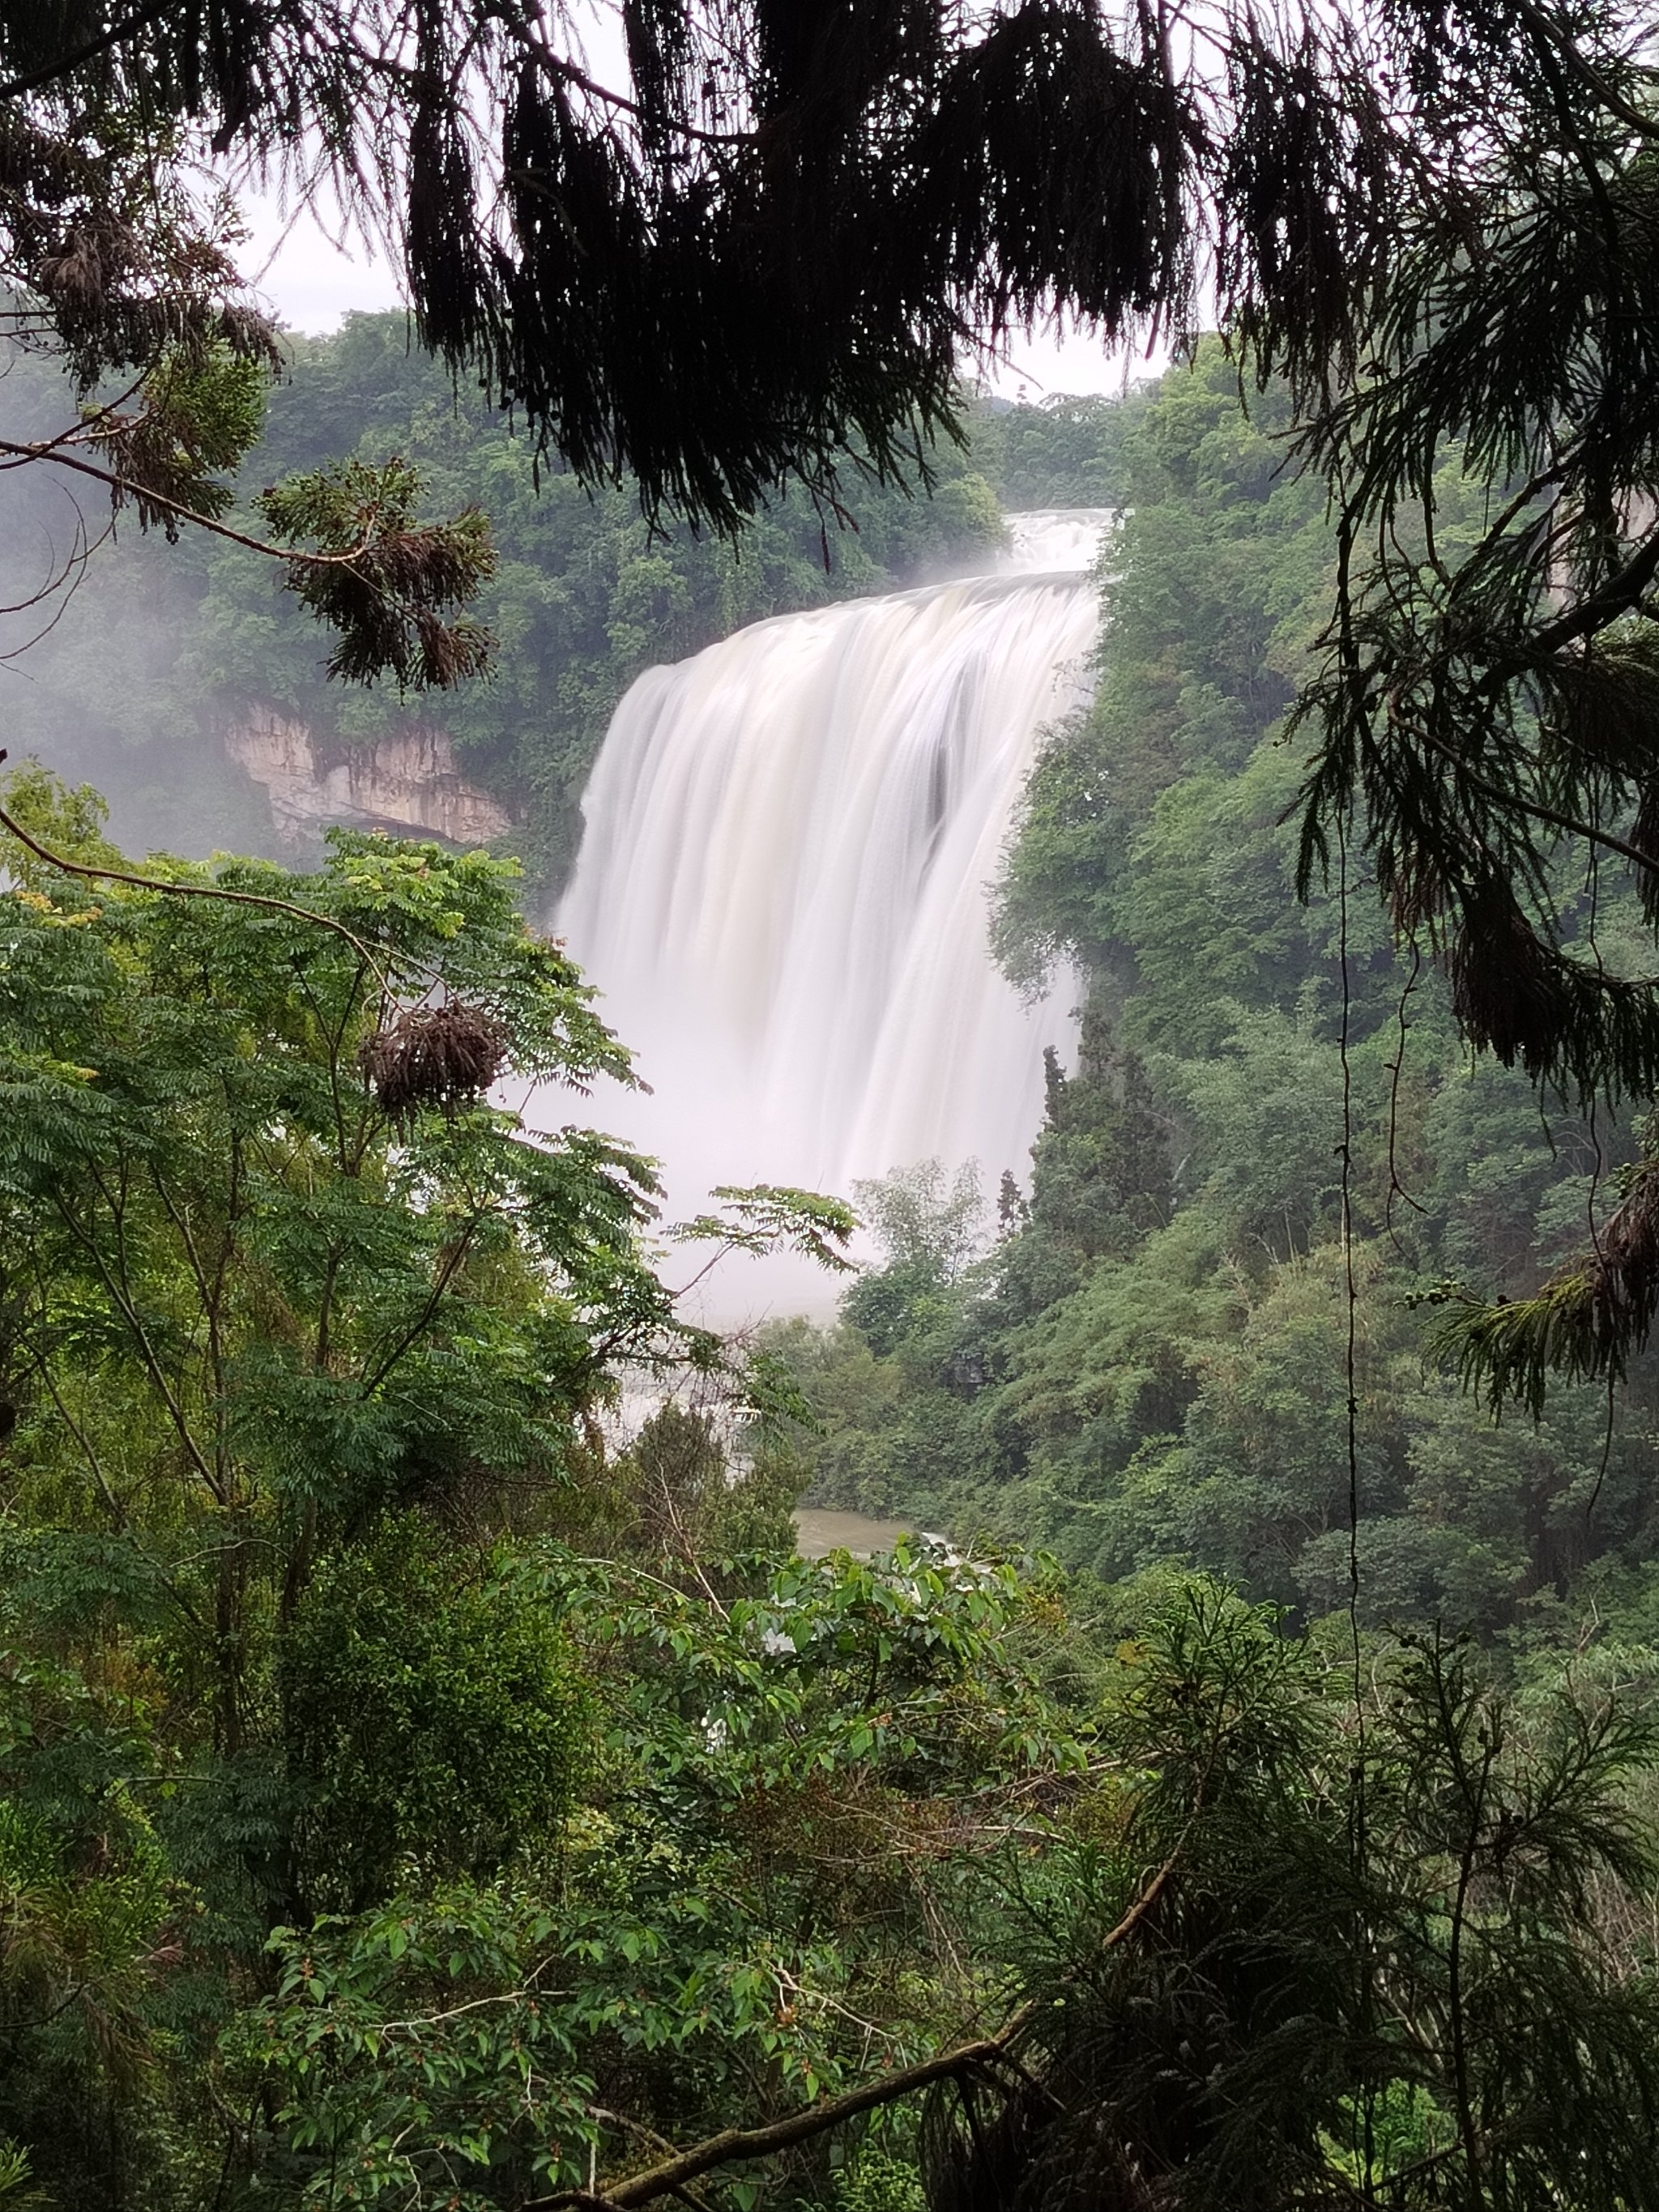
313	284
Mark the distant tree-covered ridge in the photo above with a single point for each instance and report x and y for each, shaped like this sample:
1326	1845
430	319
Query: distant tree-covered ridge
1147	1363
165	647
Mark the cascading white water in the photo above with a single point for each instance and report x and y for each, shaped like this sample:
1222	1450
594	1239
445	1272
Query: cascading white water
1047	539
781	887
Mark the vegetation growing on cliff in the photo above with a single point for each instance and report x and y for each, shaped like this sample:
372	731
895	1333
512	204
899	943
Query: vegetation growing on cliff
180	644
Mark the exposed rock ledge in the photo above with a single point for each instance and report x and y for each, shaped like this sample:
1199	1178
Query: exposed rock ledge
406	781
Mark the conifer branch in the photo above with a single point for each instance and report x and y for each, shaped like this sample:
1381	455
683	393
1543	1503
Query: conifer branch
24	450
51	71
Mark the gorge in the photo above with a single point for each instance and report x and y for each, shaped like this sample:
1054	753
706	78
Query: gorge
1092	1644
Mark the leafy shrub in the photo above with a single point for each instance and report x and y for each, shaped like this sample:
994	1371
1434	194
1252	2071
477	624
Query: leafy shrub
435	1715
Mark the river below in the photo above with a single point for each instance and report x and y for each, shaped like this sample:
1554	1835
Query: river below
819	1532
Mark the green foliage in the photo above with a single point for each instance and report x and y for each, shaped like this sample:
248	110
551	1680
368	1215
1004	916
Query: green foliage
1207	640
1481	721
574	597
720	1926
1427	2002
928	1231
763	1218
633	1850
245	1313
1064	451
351	1823
169	440
429	1717
1150	1364
876	2181
198	410
407	2048
387	584
93	1915
688	1493
295	1384
15	2185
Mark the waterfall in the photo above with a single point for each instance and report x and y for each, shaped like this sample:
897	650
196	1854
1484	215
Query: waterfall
780	891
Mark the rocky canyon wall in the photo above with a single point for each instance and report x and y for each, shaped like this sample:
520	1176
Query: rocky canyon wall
406	782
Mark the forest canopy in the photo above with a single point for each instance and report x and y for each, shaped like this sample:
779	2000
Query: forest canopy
419	1784
408	1792
169	650
1142	1364
411	1779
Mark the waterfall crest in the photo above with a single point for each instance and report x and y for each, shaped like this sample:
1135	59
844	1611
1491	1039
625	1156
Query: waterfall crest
782	886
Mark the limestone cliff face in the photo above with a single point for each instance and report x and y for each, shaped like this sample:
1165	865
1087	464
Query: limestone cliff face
406	782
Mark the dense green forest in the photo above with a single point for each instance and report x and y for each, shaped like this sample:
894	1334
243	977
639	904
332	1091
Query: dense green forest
419	1790
1144	1365
412	1797
178	643
431	1777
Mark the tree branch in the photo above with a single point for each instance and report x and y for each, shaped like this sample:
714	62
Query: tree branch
566	72
734	2145
121	1293
1566	48
1616	596
25	450
190	890
116	1512
90	51
1535	808
446	1275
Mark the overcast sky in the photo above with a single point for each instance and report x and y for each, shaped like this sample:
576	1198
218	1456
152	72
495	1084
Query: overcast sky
313	285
